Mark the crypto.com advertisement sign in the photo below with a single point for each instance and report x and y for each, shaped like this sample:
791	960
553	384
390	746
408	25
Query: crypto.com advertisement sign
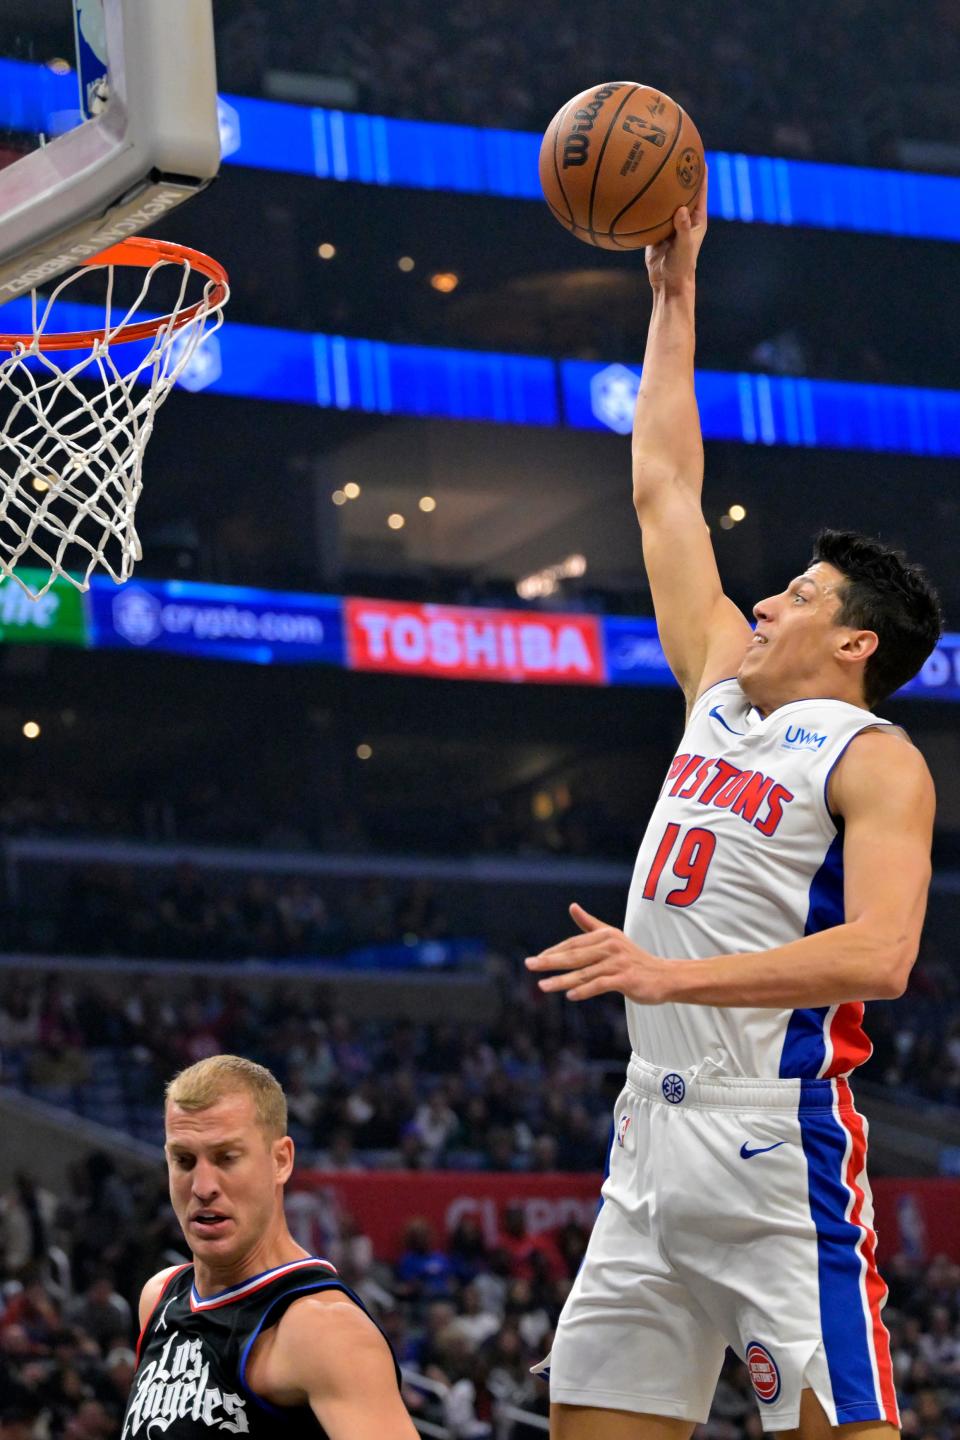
230	622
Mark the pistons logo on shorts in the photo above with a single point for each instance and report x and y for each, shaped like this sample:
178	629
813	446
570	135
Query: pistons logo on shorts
763	1371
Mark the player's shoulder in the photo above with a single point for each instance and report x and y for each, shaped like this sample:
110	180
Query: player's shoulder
883	743
318	1338
879	759
154	1288
327	1312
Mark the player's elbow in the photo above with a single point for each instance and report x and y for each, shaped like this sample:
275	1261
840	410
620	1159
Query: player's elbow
651	481
896	972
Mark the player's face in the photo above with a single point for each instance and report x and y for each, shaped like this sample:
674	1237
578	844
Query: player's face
795	639
225	1176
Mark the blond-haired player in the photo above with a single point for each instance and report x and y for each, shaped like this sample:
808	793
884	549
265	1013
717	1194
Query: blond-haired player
255	1336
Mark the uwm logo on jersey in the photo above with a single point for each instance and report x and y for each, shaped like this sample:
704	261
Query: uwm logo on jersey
797	738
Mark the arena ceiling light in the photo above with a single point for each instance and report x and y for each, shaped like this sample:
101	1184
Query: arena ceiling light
547	581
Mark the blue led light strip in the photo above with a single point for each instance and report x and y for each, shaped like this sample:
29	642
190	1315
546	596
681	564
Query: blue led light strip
374	150
378	377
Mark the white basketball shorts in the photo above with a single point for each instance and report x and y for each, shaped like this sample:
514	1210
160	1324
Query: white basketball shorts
735	1212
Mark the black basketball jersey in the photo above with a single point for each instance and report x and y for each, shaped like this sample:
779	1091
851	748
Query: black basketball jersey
192	1357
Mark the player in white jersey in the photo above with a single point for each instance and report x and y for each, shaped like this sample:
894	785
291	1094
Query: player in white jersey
781	882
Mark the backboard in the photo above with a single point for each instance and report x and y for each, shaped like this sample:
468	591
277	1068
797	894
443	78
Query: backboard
108	120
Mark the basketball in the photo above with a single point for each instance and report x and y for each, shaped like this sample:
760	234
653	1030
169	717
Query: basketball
617	161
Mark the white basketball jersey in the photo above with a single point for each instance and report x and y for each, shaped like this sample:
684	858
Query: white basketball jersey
742	854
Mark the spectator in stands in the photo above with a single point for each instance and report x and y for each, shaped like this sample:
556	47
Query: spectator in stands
435	1125
370	913
508	1374
119	1367
259	918
303	1103
18	1421
423	1271
186	913
102	1312
531	1256
571	1242
340	1155
467	1249
351	1058
419	915
32	1313
544	1155
27	1213
304	921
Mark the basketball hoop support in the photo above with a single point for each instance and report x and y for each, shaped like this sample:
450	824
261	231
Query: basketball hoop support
153	144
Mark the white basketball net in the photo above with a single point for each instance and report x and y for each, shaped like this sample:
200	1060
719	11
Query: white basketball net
74	432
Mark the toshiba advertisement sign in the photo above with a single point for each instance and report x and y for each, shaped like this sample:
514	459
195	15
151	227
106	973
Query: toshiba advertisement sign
469	644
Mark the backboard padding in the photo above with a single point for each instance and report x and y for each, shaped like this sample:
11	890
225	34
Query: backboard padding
150	145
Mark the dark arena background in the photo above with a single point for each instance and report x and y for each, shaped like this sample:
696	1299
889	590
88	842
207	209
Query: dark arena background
269	799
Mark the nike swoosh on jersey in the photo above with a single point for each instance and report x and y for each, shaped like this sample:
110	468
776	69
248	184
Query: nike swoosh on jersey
746	1153
716	714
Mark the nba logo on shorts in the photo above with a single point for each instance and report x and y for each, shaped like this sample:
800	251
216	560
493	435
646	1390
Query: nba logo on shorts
622	1129
764	1375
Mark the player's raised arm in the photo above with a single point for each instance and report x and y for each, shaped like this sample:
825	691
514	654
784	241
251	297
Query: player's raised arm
702	632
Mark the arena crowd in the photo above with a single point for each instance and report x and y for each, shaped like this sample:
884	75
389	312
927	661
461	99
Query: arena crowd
531	1093
466	1318
734	68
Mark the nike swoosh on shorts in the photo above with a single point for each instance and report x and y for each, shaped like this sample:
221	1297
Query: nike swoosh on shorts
746	1153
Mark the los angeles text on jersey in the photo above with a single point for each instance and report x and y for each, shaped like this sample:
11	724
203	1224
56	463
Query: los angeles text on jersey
758	799
177	1385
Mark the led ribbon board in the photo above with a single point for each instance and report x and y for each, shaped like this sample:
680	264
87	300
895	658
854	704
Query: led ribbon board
379	377
457	642
426	155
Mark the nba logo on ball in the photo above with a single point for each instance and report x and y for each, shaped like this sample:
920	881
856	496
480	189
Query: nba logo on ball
764	1375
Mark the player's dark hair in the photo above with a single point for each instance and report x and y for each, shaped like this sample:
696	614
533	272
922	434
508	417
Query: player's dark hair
883	592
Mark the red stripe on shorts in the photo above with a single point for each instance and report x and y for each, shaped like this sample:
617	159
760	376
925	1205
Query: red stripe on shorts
875	1287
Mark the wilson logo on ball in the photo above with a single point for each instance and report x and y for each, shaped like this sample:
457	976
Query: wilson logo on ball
577	143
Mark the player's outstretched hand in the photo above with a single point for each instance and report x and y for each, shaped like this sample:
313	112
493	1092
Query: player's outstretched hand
674	260
600	960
